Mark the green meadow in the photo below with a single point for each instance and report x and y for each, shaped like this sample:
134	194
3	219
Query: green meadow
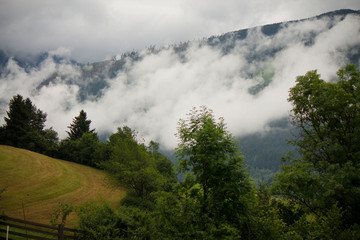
35	184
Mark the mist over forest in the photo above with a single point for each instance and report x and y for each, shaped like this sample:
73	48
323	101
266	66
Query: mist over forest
243	76
250	134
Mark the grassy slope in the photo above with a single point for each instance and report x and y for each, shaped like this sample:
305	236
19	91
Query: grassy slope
39	183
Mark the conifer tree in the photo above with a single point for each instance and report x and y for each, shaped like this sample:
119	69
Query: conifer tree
24	124
79	126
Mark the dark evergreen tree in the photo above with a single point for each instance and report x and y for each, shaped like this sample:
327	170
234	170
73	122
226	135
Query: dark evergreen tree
79	126
24	127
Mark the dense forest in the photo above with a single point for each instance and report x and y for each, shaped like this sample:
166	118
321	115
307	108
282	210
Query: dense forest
315	194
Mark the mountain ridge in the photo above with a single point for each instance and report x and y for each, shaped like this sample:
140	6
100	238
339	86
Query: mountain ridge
246	72
110	68
268	29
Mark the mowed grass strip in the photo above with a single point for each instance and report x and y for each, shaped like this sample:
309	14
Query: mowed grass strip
36	184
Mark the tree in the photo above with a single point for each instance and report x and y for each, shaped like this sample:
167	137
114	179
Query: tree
87	150
163	164
79	126
82	145
328	172
60	213
131	165
50	142
24	127
101	222
210	152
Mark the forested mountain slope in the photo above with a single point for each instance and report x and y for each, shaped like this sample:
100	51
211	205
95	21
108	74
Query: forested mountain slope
244	76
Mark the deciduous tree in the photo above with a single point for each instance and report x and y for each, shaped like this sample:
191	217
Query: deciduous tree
209	151
328	172
131	165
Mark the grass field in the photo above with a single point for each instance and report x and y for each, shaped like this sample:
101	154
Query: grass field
35	184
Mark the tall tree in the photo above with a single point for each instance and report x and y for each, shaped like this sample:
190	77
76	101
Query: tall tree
79	126
24	125
328	172
131	165
210	152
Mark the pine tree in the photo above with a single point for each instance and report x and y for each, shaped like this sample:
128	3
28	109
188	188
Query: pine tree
79	126
24	124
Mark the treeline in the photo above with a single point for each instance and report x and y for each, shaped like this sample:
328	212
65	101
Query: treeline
24	128
315	196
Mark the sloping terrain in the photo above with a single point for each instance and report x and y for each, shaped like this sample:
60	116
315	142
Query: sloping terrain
35	184
244	76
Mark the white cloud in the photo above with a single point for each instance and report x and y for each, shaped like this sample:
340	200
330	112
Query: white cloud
158	90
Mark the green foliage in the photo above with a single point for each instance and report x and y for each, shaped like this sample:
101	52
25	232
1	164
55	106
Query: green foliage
209	151
23	115
163	164
133	166
264	78
270	217
315	196
262	151
79	126
328	172
100	223
177	217
299	182
60	213
86	150
50	142
133	200
327	226
82	145
327	113
262	175
24	127
157	208
269	225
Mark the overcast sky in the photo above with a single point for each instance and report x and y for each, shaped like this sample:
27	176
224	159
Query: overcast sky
98	29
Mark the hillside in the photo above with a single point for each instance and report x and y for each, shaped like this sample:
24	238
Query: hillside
243	75
40	183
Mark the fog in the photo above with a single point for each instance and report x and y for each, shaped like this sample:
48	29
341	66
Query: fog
154	93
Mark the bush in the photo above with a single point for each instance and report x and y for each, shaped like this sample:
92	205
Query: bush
100	223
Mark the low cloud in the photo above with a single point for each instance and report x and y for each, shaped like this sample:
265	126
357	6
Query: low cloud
153	93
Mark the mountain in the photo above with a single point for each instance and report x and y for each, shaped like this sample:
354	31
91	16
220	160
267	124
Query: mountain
243	76
93	77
